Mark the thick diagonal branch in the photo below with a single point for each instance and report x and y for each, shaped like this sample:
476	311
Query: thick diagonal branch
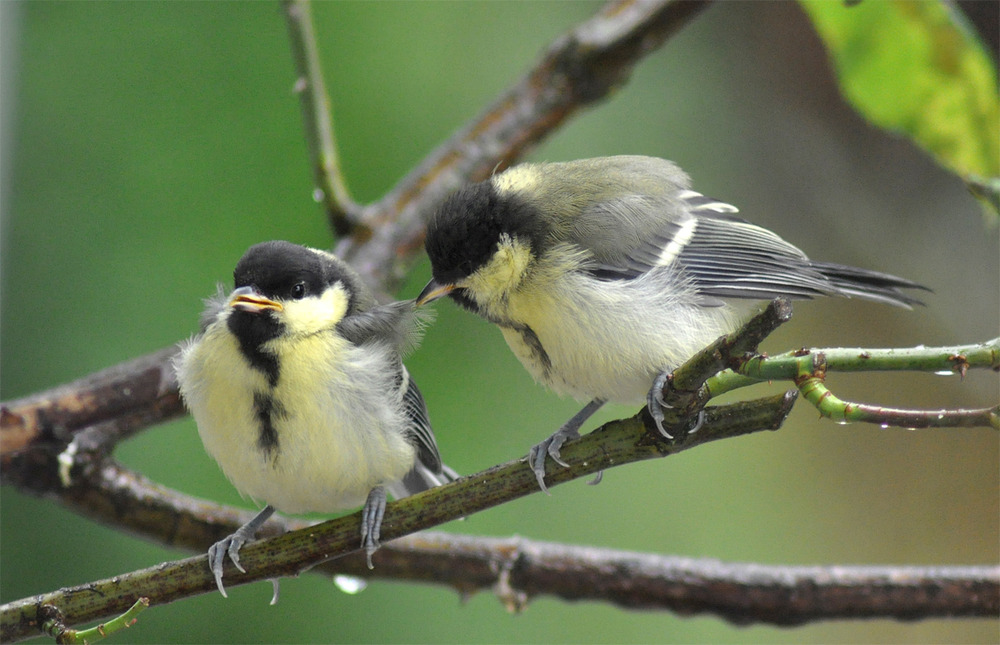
613	444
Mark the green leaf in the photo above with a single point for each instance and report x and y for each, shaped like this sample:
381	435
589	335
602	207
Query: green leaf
916	68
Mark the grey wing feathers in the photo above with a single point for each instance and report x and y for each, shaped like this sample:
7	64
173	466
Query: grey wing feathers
633	203
420	424
398	325
429	471
724	256
729	257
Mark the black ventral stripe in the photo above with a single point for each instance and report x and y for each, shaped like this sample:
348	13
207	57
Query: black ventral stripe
267	411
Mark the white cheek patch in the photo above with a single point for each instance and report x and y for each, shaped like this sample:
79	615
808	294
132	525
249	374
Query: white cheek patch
310	315
502	273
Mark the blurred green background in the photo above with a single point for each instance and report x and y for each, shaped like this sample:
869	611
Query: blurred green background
146	145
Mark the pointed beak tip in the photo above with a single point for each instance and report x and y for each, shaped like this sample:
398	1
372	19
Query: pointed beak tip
433	291
246	299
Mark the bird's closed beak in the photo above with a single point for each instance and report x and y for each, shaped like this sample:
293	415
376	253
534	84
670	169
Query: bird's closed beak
247	299
433	291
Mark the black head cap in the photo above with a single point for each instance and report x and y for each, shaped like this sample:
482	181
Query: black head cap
463	234
284	271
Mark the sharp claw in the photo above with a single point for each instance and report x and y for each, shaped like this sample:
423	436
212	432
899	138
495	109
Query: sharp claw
218	583
700	421
371	544
655	403
216	559
552	445
536	459
215	566
235	544
540	478
597	478
659	426
556	442
217	553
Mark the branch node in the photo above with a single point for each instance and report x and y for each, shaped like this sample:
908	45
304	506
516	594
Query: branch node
684	391
513	600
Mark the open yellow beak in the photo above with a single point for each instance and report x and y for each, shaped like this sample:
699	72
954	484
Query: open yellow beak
247	299
433	291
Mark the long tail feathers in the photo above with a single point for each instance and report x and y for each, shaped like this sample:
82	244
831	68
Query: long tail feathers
853	282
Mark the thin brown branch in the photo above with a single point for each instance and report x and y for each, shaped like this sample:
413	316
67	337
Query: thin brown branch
579	68
518	570
317	116
129	396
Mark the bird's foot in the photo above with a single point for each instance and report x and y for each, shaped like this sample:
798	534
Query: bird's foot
655	404
231	545
550	447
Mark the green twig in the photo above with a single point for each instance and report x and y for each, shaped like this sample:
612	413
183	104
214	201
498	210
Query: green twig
808	369
52	624
955	359
810	381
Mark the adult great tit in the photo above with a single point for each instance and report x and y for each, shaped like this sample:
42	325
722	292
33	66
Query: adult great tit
298	388
604	274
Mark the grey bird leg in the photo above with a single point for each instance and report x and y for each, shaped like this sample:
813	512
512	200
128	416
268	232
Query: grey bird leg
231	546
552	445
371	522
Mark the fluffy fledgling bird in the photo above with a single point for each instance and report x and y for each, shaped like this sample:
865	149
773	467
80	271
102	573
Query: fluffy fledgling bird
604	274
299	392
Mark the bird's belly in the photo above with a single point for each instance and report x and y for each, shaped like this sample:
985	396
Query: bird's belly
321	466
589	340
334	437
581	364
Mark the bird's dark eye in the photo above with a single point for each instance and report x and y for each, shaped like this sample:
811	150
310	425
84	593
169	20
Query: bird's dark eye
299	290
